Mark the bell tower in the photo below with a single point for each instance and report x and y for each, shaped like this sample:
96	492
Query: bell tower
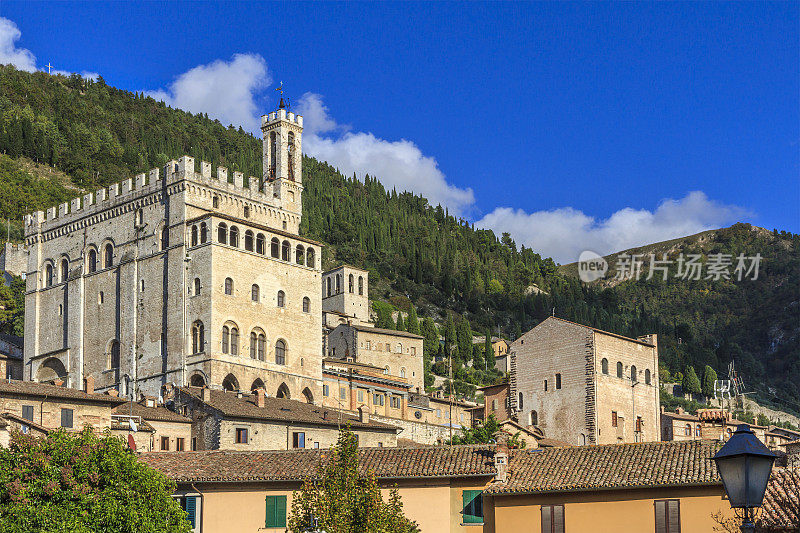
283	158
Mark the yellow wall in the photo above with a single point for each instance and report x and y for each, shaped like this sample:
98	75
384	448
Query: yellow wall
609	511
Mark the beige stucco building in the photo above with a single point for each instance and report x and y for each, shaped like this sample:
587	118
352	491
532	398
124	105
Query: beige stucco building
582	385
186	274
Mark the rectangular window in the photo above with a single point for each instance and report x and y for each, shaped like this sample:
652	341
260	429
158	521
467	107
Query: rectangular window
552	519
558	381
361	396
614	420
545	385
638	424
66	418
668	516
189	504
276	511
367	345
325	390
27	412
413	351
388	348
179	445
241	435
473	506
194	444
438	413
316	445
342	393
164	444
298	439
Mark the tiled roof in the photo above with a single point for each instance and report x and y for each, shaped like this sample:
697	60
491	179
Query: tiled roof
623	337
681	416
19	342
781	508
158	413
612	466
42	390
25	422
280	409
382	331
295	465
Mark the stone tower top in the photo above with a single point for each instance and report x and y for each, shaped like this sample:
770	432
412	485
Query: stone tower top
282	146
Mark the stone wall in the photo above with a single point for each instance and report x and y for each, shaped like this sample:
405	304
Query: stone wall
47	412
420	432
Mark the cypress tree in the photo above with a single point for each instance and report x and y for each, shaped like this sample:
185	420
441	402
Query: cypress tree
412	323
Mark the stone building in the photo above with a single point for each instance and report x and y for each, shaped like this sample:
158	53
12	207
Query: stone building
156	427
583	385
180	276
11	358
495	402
13	260
351	386
223	420
708	424
345	291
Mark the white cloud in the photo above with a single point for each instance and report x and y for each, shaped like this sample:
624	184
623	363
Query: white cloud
399	164
9	53
565	232
226	90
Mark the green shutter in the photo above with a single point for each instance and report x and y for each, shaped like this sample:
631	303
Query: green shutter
472	506
276	511
191	509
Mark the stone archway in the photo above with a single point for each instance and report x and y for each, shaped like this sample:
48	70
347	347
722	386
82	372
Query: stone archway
51	370
230	383
257	384
307	394
197	380
283	392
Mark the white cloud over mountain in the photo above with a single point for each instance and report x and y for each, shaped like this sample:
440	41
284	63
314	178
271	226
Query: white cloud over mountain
565	232
9	53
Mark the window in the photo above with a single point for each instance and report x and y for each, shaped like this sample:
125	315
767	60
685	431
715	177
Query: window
92	261
604	366
194	235
234	341
342	393
241	435
229	286
614	419
254	293
306	305
519	404
413	351
222	233
203	232
262	343
534	418
310	258
179	445
367	345
697	432
402	372
668	516
395	402
226	337
100	297
233	239
248	240
164	444
108	256
280	352
545	385
215	202
27	412
194	444
274	248
247	211
377	399
494	405
285	250
473	506
438	413
552	519
638	424
338	283
66	418
253	343
196	286
139	217
64	270
558	381
634	377
687	430
647	376
388	348
350	284
360	395
141	285
48	275
300	255
298	439
361	285
619	369
261	243
164	238
198	337
276	511
189	505
325	390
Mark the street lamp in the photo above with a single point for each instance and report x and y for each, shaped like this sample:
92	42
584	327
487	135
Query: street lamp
744	464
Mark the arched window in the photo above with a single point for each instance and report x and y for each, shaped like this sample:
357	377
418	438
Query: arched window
203	232
310	257
257	385
139	217
647	376
306	304
386	370
222	233
286	249
283	392
338	283
300	255
234	340
48	275
64	274
329	287
233	238
248	240
281	299
351	284
255	293
226	339
262	345
399	348
687	431
92	261
230	383
253	344
196	286
361	285
198	337
402	372
228	286
197	381
112	354
194	235
604	366
619	369
519	405
246	211
215	202
534	418
634	377
280	352
261	242
108	258
275	248
697	432
164	238
308	396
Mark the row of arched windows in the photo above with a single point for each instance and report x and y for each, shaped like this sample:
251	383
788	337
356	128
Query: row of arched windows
257	243
231	384
333	285
255	294
634	376
92	265
229	342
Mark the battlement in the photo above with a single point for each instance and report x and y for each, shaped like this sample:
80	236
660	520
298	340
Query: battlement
281	114
144	184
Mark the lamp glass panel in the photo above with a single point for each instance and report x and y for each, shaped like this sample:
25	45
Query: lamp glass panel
732	472
759	469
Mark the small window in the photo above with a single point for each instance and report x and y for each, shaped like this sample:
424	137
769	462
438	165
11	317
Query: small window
306	305
215	202
280	352
361	285
494	405
298	439
545	385
619	369
261	244
473	506
697	432
274	248
281	299
66	418
164	238
687	430
325	390
342	393
48	275
634	375
614	419
194	444
534	418
241	435
647	376
196	286
248	240
222	233
164	444
604	366
519	404
64	271
203	232
27	412
229	286
276	512
141	285
233	239
92	261
286	250
350	284
194	235
360	395
108	257
310	258
668	516
558	381
247	211
179	445
552	519
100	297
254	293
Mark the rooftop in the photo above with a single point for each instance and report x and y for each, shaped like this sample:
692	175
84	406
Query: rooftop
596	330
42	390
296	465
159	413
371	329
781	508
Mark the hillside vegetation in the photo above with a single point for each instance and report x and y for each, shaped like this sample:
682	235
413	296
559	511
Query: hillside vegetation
420	258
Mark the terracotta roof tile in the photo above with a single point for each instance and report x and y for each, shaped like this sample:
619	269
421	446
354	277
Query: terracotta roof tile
32	388
781	508
296	465
611	466
382	331
158	413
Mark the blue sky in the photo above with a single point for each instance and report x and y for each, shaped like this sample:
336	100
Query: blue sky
573	126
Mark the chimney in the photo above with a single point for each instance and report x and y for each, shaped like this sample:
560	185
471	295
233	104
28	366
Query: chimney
501	466
112	392
260	398
206	397
363	415
88	385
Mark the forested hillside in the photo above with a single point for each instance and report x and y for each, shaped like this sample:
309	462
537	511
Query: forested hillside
463	278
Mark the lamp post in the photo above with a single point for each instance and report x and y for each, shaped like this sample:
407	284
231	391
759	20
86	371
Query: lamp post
744	464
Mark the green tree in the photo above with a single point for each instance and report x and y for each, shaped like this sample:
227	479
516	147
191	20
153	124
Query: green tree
430	337
449	335
690	381
400	325
82	483
342	499
488	351
481	433
412	324
464	341
709	377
